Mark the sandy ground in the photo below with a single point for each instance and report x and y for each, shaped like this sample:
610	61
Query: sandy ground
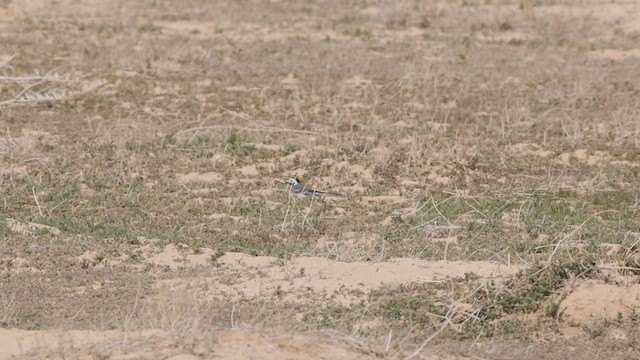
328	289
299	281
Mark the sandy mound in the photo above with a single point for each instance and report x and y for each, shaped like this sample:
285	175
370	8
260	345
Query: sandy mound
209	177
594	301
266	276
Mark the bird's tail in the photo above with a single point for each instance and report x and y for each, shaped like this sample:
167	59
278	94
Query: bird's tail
324	193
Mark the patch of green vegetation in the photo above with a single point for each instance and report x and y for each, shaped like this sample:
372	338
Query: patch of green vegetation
424	23
553	310
513	328
531	287
70	226
111	230
505	26
289	149
34	326
264	244
57	194
215	256
596	330
149	28
535	220
364	34
408	304
235	147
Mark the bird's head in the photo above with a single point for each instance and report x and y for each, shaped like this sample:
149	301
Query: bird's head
293	181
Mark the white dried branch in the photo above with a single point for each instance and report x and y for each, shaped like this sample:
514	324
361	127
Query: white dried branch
27	97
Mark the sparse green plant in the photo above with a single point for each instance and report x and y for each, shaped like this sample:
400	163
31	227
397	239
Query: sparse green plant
149	28
279	292
424	24
596	330
215	256
553	310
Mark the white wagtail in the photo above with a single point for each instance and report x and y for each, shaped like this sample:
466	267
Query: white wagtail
303	191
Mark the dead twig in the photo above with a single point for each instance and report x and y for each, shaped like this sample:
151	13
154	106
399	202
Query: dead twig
257	127
557	246
35	197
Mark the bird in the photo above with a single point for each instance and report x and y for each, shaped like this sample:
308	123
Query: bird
302	191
